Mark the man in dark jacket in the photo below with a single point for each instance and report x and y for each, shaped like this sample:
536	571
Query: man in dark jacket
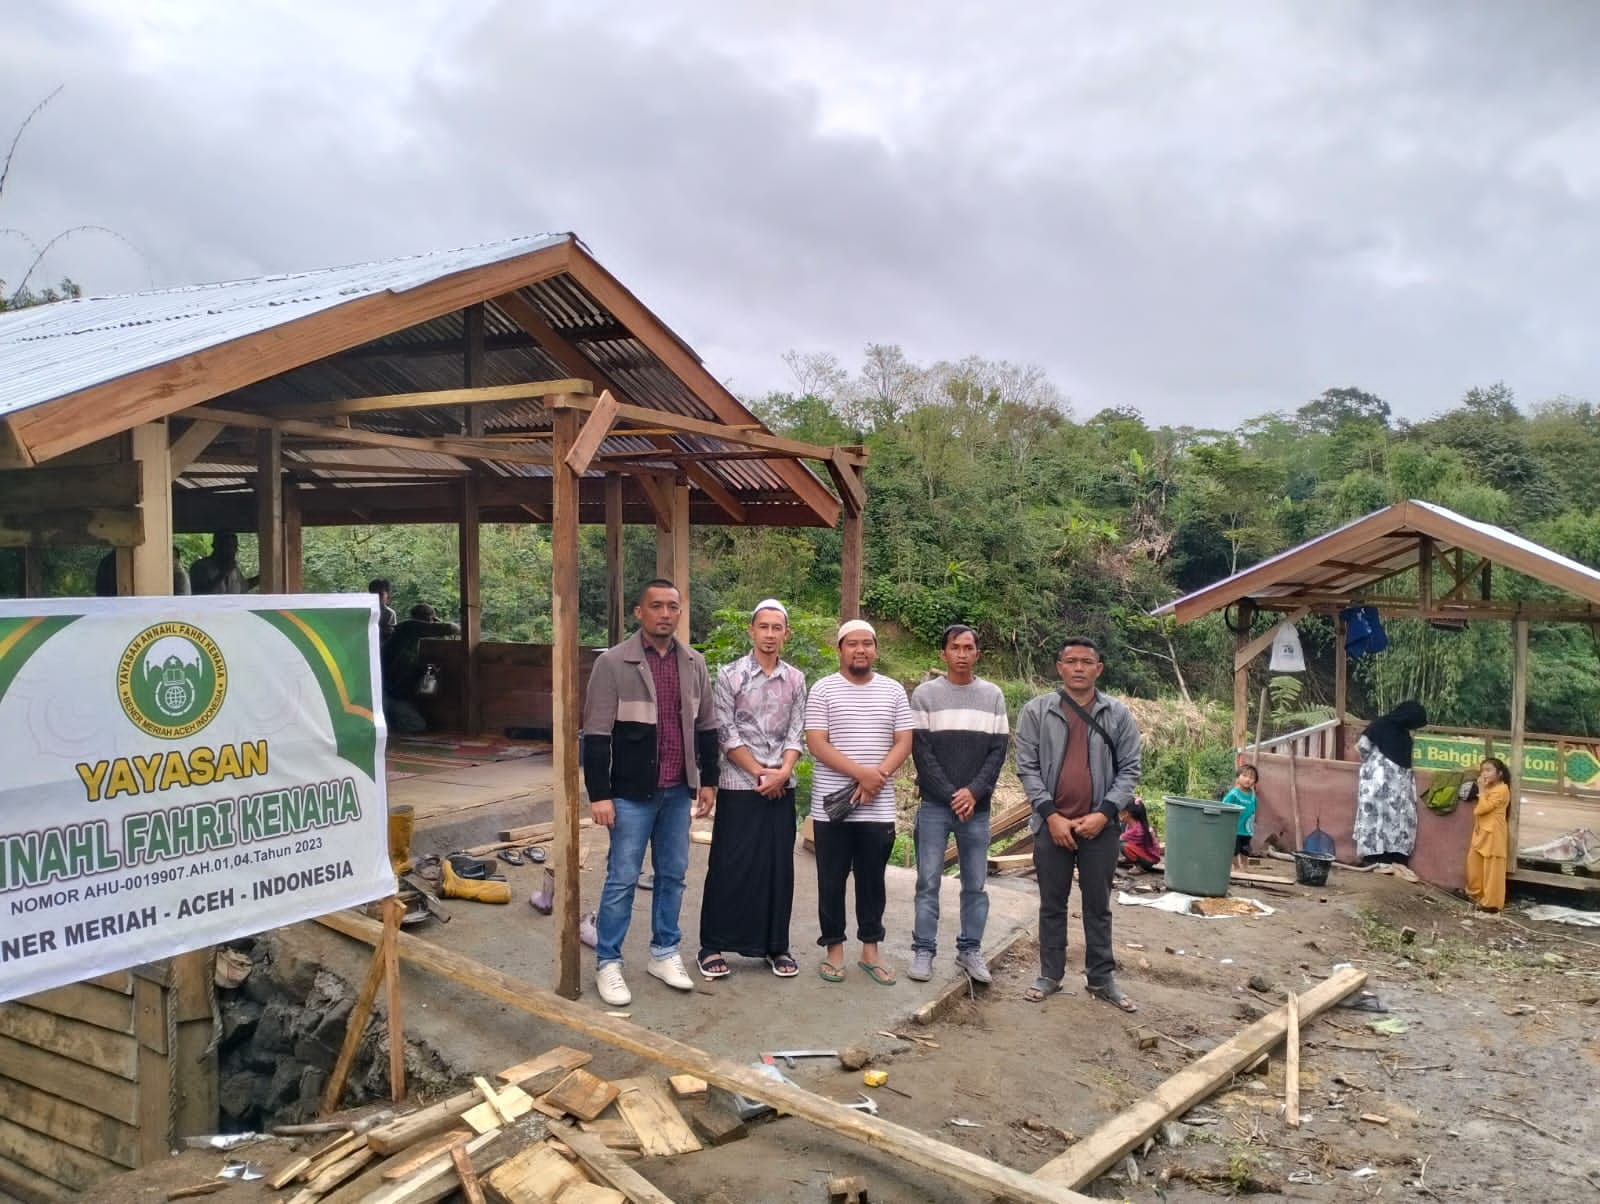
650	754
1078	761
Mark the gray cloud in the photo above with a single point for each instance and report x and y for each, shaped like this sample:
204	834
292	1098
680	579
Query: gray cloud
1202	211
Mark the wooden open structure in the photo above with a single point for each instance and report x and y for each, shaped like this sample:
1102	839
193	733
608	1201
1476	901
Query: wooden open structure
1412	559
517	382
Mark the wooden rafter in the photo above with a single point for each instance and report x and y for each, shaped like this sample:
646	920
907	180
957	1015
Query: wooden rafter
699	426
592	434
527	316
187	447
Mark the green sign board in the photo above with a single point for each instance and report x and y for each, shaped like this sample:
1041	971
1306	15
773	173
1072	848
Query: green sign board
1539	761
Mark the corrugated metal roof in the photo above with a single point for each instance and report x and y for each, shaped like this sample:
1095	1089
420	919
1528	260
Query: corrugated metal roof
50	351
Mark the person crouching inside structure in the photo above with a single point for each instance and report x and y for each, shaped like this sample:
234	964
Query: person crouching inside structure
760	704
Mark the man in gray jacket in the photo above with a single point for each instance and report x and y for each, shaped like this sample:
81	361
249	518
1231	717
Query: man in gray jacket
1078	760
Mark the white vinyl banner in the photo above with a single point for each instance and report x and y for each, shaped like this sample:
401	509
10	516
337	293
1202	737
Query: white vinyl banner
177	772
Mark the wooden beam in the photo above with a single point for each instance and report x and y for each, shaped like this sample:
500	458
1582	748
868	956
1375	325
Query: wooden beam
1341	681
1519	727
432	399
1248	652
716	430
686	366
1424	572
594	432
468	529
48	487
1291	1061
186	448
152	557
32	573
269	509
616	605
1100	1150
847	480
294	545
90	414
462	449
72	525
13	452
564	700
659	495
606	1166
394	913
680	557
895	1140
1241	690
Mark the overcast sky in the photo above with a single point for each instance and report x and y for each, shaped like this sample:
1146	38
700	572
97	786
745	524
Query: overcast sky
1205	211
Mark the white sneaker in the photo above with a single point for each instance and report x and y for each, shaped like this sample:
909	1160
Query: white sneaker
612	989
921	966
670	970
972	962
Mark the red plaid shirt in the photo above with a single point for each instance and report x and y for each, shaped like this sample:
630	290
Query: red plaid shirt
669	716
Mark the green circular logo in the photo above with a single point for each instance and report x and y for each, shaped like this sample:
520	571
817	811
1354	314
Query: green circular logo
171	680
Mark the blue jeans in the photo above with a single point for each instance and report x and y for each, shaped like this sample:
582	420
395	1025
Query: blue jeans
934	825
662	822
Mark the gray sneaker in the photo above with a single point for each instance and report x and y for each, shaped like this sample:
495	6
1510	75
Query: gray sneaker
971	960
921	966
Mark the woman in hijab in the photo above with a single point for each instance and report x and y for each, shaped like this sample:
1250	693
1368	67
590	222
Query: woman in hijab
1386	793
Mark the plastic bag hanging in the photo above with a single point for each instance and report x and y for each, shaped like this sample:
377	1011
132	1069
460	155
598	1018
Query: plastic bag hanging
1286	654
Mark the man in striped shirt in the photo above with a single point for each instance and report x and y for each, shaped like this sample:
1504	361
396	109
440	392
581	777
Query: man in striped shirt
858	728
959	746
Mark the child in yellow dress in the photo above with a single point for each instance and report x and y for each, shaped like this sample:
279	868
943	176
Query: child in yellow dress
1486	855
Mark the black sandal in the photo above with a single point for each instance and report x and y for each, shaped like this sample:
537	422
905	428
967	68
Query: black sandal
712	965
510	856
1041	990
1112	994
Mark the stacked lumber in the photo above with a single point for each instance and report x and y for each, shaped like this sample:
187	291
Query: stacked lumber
548	1131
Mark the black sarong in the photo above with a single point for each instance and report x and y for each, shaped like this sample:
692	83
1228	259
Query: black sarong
749	889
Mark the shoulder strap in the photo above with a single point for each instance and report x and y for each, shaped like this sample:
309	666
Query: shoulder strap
1111	744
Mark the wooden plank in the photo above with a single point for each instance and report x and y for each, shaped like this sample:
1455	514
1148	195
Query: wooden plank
30	1186
684	1085
334	1152
432	1181
895	1140
558	1061
74	1168
465	1173
647	1108
88	1003
49	487
90	414
615	1131
72	525
564	620
426	1151
70	1121
150	1015
538	1175
591	1193
112	1095
351	1164
436	398
94	1047
596	428
461	449
120	981
436	1118
603	1164
1101	1149
355	1026
1291	1061
509	1103
492	1098
393	913
582	1094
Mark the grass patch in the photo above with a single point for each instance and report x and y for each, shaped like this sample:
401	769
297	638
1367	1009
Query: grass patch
1446	954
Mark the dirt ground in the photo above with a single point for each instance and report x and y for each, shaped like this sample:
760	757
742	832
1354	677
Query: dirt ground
1488	1094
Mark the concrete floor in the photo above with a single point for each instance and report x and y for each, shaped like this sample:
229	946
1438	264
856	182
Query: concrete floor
737	1017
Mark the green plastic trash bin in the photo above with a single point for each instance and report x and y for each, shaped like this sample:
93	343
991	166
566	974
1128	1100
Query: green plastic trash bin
1200	842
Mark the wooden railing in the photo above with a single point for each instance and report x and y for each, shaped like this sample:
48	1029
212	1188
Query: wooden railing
1319	741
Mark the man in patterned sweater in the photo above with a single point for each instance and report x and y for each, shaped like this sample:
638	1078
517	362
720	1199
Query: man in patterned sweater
959	746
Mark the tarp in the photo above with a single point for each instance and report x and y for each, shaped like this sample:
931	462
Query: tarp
179	772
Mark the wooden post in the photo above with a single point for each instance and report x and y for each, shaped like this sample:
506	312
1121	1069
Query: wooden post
269	510
1341	684
294	554
850	560
152	560
32	572
564	691
471	607
1425	575
680	553
1241	693
384	954
616	601
1291	1061
1519	724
